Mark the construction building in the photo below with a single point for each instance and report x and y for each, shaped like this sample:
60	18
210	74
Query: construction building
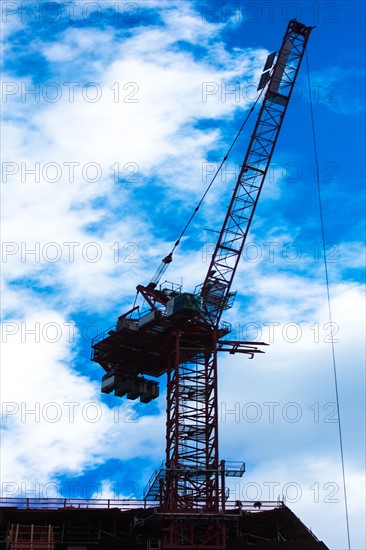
60	524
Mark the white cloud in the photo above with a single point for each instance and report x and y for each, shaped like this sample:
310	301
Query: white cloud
37	213
11	23
313	490
49	410
82	140
280	415
160	135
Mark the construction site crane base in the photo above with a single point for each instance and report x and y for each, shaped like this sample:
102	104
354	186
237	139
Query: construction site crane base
76	524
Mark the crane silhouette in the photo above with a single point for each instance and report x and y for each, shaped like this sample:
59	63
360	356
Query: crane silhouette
181	334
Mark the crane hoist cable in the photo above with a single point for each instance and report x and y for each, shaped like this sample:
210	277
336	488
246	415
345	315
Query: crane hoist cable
335	376
169	258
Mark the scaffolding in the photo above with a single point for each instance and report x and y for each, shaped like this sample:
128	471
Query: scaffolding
30	537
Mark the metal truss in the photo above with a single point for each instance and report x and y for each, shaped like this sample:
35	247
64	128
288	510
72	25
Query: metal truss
34	537
209	534
216	287
192	464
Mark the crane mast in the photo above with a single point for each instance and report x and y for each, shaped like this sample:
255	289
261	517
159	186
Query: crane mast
181	336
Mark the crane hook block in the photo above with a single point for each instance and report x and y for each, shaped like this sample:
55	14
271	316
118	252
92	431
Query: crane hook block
168	259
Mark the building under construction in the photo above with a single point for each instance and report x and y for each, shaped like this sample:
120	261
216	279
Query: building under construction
57	524
186	505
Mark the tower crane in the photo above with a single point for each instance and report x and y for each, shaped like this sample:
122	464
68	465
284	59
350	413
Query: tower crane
181	334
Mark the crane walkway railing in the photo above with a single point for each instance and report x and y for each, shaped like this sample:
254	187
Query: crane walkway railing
73	503
33	503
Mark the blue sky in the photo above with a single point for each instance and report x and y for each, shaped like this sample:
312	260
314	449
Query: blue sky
133	106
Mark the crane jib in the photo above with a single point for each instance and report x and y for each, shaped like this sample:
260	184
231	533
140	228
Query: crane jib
215	291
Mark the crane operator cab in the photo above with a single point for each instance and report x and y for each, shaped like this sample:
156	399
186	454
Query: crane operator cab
184	304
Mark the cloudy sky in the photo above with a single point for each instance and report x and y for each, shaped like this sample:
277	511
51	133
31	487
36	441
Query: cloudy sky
115	116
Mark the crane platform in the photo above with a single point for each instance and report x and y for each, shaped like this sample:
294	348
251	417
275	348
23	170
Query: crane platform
152	490
138	346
